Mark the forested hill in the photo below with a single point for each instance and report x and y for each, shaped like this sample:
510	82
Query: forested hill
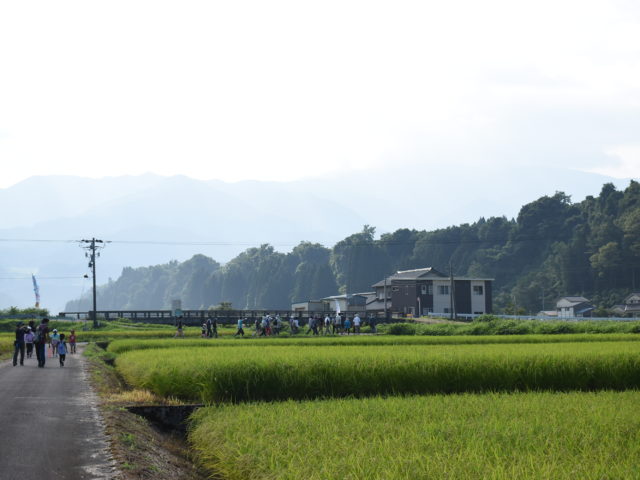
553	248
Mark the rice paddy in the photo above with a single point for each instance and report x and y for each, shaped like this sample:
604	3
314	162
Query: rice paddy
498	436
123	343
6	345
393	407
256	373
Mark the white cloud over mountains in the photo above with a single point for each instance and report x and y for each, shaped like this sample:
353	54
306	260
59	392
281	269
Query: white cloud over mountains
284	90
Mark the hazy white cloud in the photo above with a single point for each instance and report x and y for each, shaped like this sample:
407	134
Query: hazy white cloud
625	162
283	90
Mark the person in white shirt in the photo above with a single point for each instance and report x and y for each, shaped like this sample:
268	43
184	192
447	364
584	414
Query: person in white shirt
356	324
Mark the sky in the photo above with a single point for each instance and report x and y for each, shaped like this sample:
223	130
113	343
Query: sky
288	90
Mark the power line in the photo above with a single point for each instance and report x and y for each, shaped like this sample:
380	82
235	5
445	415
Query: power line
43	277
35	240
379	242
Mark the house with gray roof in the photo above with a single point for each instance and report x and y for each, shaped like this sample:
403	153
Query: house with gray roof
574	307
629	307
426	290
353	302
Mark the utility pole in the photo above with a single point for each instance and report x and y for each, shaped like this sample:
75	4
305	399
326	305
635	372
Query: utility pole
93	245
452	294
385	298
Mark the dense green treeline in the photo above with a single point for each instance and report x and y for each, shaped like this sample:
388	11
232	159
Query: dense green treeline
553	248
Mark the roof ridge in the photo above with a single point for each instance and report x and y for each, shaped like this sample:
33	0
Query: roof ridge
414	270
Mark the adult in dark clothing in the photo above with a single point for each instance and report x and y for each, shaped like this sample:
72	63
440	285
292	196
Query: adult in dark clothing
372	324
180	326
19	344
209	328
214	327
41	341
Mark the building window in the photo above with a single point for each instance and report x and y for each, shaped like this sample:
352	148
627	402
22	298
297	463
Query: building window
446	310
406	290
478	290
443	290
430	289
423	289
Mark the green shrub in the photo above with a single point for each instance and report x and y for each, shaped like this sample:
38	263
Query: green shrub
400	329
487	317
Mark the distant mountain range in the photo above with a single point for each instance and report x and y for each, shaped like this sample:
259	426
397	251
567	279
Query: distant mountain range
152	219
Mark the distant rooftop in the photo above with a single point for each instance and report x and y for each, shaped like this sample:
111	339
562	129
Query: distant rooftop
419	273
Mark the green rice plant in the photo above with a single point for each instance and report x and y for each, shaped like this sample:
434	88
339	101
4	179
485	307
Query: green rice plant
6	345
140	343
491	325
587	436
265	372
100	335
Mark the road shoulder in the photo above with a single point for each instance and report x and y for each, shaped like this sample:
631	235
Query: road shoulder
140	449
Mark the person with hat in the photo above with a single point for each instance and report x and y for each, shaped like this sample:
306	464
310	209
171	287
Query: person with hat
28	340
19	344
55	340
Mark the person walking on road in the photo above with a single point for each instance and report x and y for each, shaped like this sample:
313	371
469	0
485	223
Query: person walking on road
72	342
19	344
55	339
28	341
62	350
41	340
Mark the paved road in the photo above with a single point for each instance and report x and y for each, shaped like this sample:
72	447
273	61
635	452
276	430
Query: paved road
50	426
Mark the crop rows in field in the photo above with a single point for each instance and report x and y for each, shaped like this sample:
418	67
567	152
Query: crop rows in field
265	372
6	346
501	326
470	436
139	343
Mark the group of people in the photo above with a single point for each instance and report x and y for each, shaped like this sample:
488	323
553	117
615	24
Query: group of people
30	338
210	328
334	325
271	325
267	326
331	325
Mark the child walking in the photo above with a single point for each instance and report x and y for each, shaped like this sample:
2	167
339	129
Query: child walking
62	350
28	340
55	339
72	341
